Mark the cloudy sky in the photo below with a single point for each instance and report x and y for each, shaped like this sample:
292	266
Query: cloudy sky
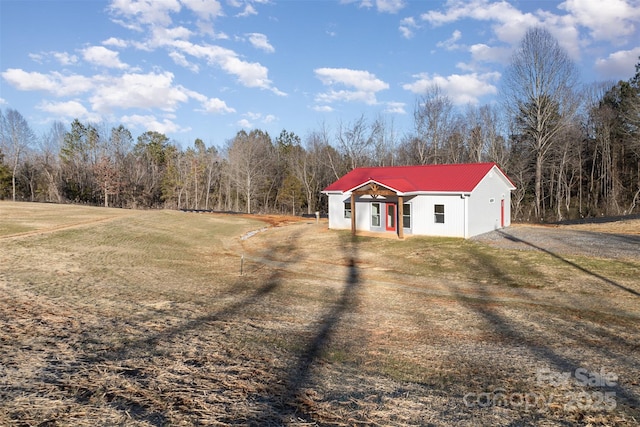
207	69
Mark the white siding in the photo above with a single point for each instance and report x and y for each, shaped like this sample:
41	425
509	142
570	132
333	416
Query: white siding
423	218
337	220
485	204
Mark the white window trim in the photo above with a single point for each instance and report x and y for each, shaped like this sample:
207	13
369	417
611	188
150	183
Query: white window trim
347	212
379	216
437	215
404	213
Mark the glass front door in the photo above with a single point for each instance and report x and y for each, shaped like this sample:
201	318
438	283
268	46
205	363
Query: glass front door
391	217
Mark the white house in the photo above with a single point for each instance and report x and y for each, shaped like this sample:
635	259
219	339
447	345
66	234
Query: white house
458	200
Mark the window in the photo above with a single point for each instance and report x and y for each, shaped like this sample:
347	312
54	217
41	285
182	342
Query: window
406	215
375	214
347	209
439	214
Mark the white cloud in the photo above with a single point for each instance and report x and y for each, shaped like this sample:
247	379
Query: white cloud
461	89
146	12
252	117
331	30
146	91
407	27
618	65
484	53
347	96
260	41
100	55
395	108
181	60
385	6
161	36
151	123
322	108
65	58
37	57
361	80
115	42
3	101
216	106
450	43
109	94
205	9
481	10
249	74
68	110
248	11
614	20
390	6
510	23
245	124
155	15
361	3
363	85
54	83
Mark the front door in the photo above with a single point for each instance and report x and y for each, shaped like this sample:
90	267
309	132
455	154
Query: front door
391	217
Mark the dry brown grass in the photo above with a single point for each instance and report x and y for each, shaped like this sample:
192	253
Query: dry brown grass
622	226
141	318
629	226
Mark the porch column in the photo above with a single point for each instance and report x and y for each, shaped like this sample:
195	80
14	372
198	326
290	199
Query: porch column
353	214
400	215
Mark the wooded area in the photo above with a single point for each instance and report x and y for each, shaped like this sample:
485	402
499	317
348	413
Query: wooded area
572	151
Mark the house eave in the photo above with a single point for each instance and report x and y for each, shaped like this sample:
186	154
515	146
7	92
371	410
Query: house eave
438	193
408	193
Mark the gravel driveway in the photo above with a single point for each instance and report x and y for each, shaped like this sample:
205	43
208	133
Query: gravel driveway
557	240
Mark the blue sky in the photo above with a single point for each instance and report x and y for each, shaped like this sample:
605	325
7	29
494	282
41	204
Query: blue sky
207	69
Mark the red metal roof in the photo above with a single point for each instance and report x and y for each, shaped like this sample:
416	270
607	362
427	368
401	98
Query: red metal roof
426	178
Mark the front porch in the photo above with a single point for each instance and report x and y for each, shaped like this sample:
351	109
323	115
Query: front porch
387	209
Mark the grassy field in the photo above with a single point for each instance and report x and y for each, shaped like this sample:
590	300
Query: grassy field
142	318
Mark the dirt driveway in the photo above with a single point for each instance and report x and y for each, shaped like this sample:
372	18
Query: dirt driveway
567	241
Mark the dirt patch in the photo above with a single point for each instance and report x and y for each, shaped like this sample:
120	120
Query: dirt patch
279	220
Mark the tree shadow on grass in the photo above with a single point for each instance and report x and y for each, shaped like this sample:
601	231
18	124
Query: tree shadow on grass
131	357
570	263
299	376
286	251
549	342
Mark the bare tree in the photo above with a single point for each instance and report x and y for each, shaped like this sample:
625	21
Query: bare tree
334	160
486	139
49	161
249	156
433	121
16	137
538	89
357	140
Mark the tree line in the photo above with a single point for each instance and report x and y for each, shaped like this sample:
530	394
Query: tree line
572	151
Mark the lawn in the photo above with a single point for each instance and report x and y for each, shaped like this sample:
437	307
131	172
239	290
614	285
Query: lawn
143	318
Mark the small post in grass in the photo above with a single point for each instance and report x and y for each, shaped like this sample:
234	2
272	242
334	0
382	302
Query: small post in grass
241	263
